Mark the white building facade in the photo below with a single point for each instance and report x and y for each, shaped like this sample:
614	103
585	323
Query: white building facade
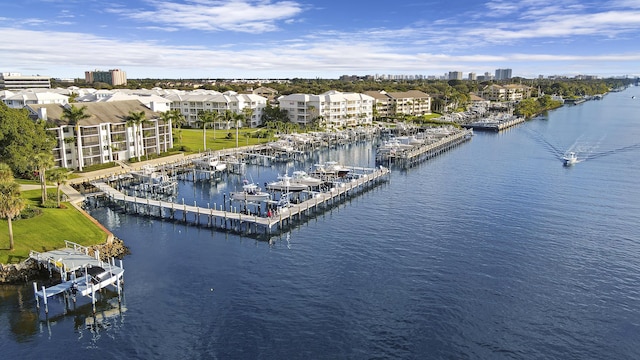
332	109
105	136
192	104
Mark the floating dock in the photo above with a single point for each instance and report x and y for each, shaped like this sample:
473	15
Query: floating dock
219	216
79	273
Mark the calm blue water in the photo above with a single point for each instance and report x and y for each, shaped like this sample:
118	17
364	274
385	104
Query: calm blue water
492	250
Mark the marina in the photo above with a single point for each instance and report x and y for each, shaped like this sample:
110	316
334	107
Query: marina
408	155
495	123
235	214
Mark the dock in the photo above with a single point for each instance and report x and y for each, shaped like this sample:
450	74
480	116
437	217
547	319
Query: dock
225	217
411	156
494	125
80	273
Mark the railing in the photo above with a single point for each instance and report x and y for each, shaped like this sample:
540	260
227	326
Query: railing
76	247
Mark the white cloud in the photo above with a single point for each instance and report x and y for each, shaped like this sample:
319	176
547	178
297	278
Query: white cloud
249	16
82	52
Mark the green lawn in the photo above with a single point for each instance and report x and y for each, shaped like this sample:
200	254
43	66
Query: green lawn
192	139
47	231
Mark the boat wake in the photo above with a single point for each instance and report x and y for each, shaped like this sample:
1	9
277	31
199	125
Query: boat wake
583	149
614	151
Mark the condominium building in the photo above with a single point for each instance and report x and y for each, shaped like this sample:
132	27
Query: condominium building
396	104
511	92
20	99
12	81
105	136
192	104
114	77
333	109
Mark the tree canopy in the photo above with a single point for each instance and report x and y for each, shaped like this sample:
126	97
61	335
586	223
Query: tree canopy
20	139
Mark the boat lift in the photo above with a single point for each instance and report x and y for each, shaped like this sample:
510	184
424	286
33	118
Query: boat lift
79	273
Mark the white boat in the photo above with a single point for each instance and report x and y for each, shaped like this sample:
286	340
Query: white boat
284	184
250	192
301	177
210	162
148	175
330	169
570	159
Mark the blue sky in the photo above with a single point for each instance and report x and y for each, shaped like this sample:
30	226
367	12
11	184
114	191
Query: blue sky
326	39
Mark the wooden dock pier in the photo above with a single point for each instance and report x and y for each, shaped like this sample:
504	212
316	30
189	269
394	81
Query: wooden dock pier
494	125
221	217
417	154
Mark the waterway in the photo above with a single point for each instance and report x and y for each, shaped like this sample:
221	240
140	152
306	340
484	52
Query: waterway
493	250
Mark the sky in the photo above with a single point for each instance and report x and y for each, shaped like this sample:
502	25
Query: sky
185	39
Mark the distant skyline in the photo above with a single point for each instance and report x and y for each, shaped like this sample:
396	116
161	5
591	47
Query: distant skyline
319	39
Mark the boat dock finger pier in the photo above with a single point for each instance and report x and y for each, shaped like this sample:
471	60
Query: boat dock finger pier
409	157
231	218
79	273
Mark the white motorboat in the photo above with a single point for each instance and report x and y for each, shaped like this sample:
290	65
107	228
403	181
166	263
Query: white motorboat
250	192
284	184
570	159
301	177
210	162
330	169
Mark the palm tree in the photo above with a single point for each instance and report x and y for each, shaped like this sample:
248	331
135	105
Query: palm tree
239	118
41	162
204	118
11	202
6	175
74	115
60	177
135	120
177	120
228	116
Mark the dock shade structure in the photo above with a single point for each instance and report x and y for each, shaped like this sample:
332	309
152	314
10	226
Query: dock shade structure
80	273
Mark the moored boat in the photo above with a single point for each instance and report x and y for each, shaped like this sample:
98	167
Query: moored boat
330	169
284	184
301	177
250	192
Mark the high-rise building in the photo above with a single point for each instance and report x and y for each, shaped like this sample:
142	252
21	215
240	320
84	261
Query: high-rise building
112	77
472	76
455	75
503	74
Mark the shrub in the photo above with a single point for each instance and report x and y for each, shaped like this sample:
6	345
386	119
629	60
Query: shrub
50	204
29	212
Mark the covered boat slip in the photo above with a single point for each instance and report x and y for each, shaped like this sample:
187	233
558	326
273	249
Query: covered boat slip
79	273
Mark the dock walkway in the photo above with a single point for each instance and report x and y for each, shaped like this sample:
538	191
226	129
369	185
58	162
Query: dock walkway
236	220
